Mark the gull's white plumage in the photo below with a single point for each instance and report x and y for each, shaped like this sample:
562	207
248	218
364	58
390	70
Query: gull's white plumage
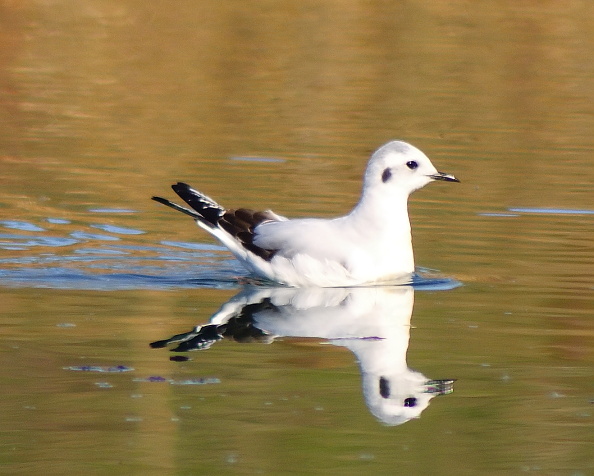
372	244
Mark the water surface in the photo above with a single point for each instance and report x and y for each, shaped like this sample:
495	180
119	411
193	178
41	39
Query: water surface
278	105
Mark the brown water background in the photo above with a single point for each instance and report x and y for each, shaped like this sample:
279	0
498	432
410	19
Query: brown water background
278	104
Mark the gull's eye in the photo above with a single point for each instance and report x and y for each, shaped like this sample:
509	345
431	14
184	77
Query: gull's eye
412	165
410	402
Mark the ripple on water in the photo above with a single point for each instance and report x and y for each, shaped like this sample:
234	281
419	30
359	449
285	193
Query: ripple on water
20	225
21	242
68	262
83	235
553	211
426	279
100	251
112	210
118	229
100	369
194	246
58	221
515	212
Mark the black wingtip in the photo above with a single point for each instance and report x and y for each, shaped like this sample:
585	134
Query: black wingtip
181	188
205	206
162	200
177	207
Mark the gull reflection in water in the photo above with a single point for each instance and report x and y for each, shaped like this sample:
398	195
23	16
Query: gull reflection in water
372	322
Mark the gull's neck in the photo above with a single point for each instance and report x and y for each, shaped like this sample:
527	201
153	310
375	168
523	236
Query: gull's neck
383	222
383	214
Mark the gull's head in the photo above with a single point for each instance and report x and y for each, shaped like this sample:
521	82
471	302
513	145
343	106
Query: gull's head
398	167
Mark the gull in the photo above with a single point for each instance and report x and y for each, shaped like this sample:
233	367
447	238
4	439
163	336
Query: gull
371	245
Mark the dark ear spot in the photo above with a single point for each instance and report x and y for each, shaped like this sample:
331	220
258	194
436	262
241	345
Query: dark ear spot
386	174
384	387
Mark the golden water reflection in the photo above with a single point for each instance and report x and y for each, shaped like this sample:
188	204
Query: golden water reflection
103	103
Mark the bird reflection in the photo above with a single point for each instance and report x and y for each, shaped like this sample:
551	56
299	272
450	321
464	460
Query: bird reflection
372	322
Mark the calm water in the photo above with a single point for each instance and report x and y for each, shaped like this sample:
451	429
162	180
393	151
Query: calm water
278	104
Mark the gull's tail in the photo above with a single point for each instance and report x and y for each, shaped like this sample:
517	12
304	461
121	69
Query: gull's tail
205	209
234	228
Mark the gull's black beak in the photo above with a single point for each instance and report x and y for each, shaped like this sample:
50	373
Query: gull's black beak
444	177
440	387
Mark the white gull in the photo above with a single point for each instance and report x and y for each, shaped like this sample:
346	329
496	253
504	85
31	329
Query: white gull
370	245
